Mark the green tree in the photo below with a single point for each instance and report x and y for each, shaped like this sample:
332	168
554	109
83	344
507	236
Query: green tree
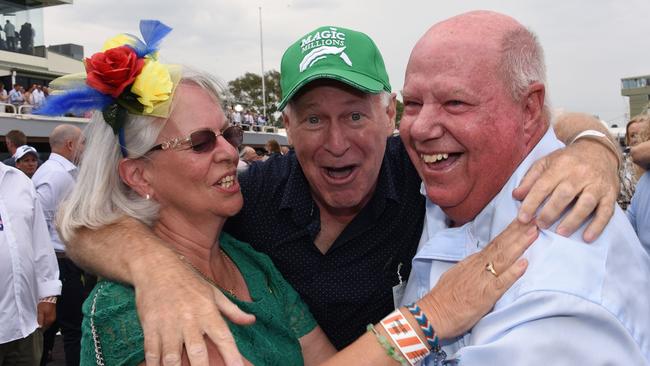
399	109
247	90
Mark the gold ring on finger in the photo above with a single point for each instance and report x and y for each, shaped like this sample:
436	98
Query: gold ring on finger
490	268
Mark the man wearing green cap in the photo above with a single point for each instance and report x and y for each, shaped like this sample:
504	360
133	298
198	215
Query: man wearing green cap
341	217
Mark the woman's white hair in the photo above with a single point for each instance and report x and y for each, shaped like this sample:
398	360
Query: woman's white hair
100	197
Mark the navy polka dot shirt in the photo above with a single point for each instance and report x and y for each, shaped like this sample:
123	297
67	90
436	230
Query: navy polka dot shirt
351	285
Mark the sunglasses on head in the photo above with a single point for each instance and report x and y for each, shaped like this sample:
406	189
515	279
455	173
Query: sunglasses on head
204	140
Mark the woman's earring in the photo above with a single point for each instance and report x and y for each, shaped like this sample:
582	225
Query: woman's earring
147	197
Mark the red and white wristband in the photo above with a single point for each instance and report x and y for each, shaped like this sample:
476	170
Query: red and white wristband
404	336
49	299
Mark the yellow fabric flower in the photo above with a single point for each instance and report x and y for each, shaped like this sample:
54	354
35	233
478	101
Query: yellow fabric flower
153	85
119	40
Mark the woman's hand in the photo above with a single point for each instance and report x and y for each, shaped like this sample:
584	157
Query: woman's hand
468	290
178	310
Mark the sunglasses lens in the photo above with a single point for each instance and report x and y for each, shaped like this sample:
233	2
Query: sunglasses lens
234	135
203	141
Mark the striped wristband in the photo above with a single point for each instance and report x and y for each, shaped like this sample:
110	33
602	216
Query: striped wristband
404	337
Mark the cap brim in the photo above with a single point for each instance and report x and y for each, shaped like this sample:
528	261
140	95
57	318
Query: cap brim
356	80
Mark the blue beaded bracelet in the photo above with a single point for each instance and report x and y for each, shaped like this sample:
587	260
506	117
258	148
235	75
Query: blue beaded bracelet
426	327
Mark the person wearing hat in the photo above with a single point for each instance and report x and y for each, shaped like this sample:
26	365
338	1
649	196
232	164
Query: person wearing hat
26	158
341	218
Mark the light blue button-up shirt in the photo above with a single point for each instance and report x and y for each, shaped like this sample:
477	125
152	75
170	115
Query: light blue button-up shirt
639	211
577	303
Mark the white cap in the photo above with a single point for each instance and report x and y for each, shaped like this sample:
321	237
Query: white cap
23	150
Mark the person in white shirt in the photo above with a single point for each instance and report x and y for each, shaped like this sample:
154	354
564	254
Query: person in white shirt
53	181
475	120
29	275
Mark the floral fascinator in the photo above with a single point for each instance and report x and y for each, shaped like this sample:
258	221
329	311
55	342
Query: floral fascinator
125	77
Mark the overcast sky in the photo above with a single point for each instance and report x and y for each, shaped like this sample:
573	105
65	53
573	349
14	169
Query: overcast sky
589	45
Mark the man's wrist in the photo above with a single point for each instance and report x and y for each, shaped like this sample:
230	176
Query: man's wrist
602	140
49	299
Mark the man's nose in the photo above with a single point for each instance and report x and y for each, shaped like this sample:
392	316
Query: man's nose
428	124
336	139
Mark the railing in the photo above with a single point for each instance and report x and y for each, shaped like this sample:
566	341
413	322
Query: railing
258	128
5	106
25	107
25	112
22	109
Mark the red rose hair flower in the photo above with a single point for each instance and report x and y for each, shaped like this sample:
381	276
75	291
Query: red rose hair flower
110	72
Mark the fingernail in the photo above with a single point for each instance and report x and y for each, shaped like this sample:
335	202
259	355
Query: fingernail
542	225
562	231
589	236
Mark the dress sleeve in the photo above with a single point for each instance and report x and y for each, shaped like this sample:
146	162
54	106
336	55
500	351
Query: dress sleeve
116	324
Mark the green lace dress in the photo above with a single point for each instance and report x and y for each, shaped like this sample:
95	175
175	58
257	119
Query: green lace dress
281	317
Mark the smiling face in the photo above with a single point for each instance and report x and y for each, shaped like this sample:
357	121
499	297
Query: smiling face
339	135
461	127
199	184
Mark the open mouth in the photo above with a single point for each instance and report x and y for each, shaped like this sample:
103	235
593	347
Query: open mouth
340	174
226	182
440	160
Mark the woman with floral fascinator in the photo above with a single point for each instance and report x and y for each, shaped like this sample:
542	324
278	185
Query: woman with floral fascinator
159	149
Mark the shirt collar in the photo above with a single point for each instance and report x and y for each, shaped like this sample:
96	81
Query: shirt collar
67	164
447	243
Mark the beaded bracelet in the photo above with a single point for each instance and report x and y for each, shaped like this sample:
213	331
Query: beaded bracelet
438	353
387	346
426	327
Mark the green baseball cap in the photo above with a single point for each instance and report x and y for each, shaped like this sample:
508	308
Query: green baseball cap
333	53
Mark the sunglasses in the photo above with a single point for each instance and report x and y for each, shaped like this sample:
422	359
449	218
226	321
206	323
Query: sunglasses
204	140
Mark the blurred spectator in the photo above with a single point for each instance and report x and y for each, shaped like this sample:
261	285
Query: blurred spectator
53	180
284	150
4	97
247	156
236	117
639	210
261	120
272	147
38	96
26	158
10	32
248	118
13	139
30	277
26	39
28	96
636	132
16	96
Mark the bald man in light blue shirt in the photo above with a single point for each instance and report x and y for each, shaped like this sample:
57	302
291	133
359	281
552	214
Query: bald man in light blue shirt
472	132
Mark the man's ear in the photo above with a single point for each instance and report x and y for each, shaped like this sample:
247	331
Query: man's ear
534	111
134	175
286	121
391	111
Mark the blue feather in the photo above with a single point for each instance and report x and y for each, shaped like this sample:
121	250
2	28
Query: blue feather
139	47
153	32
75	101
